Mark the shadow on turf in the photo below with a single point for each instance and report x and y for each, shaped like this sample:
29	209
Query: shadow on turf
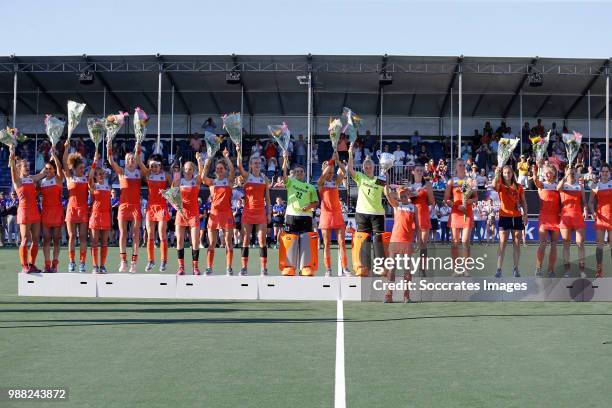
114	322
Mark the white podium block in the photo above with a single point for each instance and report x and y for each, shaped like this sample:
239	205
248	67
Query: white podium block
57	284
350	288
298	288
547	289
600	290
217	287
136	285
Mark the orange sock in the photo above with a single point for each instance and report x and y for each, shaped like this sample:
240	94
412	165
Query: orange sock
94	255
82	255
264	262
103	254
33	253
164	250
210	257
47	263
181	262
71	255
327	261
230	258
55	263
344	261
150	250
195	263
23	255
123	256
134	258
244	262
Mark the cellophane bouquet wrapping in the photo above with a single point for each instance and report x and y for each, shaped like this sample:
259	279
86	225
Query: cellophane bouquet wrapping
352	123
505	148
213	143
140	125
539	145
75	111
11	137
232	123
467	189
54	127
114	123
281	134
334	130
96	128
572	145
173	196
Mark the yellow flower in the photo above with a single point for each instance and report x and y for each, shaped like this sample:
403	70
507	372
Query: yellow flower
535	140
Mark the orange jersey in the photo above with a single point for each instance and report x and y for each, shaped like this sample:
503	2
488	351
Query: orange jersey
156	183
603	213
190	190
255	193
550	205
457	197
403	223
571	200
51	192
330	198
101	199
130	183
510	198
421	202
27	194
220	196
78	192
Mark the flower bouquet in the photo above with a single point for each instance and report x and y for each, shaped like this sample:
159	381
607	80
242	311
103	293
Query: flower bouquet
232	124
467	189
96	129
504	150
539	145
173	196
281	134
75	111
10	137
213	143
54	128
335	130
572	145
113	124
352	123
140	125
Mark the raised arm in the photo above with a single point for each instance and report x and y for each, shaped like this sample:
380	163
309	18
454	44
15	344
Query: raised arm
534	176
562	182
92	171
230	166
241	169
350	164
144	171
342	169
328	171
202	172
390	198
13	165
285	166
268	202
111	160
205	179
65	167
58	166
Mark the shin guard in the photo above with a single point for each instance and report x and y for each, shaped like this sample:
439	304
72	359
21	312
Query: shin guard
288	253
309	253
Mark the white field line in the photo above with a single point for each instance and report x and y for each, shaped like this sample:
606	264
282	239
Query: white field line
340	383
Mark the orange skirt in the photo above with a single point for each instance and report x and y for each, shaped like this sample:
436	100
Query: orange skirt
26	216
77	215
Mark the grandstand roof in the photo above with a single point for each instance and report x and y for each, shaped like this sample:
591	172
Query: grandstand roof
421	85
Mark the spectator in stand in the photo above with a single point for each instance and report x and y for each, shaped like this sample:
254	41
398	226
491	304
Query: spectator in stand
257	149
114	235
367	145
411	159
359	152
300	150
487	129
596	157
2	218
442	169
483	154
279	183
12	231
314	154
493	147
415	140
538	130
443	212
508	133
525	135
270	150
423	155
473	172
209	125
466	151
278	218
399	155
523	172
501	129
481	179
479	222
343	146
195	142
272	166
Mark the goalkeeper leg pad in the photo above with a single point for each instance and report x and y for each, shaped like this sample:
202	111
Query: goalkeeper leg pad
288	253
361	253
309	253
